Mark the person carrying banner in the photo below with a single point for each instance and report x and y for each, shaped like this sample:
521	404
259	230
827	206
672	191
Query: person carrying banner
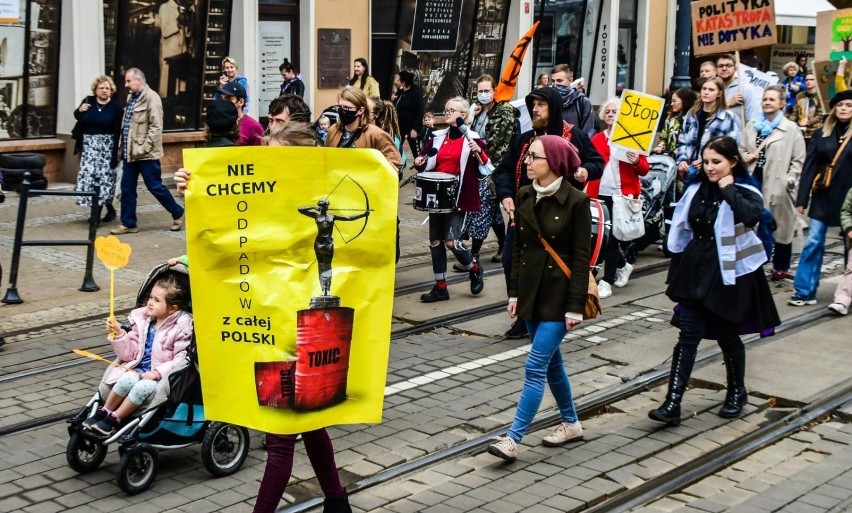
545	107
280	449
738	94
458	154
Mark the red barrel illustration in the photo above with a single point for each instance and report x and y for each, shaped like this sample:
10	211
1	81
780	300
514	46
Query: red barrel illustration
275	383
323	340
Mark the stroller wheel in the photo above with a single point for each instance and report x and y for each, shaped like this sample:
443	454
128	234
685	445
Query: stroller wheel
137	469
84	455
224	448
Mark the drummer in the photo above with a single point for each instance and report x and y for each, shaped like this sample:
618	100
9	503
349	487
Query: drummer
456	156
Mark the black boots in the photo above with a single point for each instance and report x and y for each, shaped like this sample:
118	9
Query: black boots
111	213
683	359
337	504
737	396
436	294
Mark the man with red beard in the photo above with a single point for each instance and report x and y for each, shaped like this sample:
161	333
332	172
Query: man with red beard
545	108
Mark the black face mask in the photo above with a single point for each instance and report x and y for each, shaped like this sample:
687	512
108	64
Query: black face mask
347	116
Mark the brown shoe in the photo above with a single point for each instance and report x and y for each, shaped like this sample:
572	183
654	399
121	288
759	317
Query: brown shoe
121	230
177	224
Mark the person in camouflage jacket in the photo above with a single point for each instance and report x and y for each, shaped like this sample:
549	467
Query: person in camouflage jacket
497	123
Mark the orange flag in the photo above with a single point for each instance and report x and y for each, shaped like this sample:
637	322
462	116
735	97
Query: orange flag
509	78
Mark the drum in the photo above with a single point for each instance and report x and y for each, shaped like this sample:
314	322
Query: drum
601	226
435	192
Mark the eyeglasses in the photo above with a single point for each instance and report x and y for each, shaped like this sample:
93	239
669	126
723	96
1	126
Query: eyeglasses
533	156
450	112
725	65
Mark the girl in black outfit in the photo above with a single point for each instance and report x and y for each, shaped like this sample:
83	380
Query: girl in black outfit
409	109
96	134
292	80
716	274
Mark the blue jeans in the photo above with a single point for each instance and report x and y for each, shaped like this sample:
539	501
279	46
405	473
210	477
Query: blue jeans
543	363
151	175
810	263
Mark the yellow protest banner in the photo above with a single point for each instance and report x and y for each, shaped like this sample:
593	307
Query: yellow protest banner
292	272
720	26
636	123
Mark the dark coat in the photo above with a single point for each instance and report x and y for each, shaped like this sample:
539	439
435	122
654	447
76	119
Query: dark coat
295	86
544	292
505	176
79	127
410	107
825	204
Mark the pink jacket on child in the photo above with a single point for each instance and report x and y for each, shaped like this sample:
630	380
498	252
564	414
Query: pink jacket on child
169	348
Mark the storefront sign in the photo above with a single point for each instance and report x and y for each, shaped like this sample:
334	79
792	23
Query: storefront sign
334	59
273	47
436	25
10	11
636	124
726	25
834	35
293	325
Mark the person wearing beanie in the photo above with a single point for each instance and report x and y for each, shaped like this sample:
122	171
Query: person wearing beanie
221	121
250	129
545	108
549	210
828	144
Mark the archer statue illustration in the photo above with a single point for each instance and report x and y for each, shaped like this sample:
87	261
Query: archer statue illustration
324	243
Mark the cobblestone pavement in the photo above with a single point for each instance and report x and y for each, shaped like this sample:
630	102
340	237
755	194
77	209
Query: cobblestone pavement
445	386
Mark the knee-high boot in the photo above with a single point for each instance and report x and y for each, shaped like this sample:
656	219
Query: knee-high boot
683	358
737	397
337	504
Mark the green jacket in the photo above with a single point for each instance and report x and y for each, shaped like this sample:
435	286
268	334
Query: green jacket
846	214
500	131
565	221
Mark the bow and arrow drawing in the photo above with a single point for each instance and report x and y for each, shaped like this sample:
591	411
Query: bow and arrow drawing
325	219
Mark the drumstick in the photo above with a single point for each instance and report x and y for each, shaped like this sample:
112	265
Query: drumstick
93	356
431	153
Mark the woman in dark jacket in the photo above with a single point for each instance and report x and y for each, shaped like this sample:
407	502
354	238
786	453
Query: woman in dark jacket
539	292
716	273
455	156
409	109
96	134
824	203
292	80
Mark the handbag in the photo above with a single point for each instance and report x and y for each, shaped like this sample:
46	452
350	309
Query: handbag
628	223
824	176
593	301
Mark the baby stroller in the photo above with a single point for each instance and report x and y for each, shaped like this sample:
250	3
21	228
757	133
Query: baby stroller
172	418
658	193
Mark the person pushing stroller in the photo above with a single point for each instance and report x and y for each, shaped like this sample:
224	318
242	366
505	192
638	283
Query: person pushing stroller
159	335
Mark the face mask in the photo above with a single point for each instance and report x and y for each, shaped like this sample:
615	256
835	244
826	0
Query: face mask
485	98
348	116
563	90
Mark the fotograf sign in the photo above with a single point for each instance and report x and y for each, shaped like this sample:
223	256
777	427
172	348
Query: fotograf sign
727	25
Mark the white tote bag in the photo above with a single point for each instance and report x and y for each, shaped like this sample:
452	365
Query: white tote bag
628	223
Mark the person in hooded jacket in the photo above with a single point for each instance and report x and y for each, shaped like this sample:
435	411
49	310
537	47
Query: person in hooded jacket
545	108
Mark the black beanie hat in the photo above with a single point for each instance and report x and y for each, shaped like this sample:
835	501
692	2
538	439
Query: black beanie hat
221	116
839	97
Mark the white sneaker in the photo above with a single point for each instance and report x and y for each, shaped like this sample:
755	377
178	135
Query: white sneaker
504	448
623	275
838	308
604	289
563	434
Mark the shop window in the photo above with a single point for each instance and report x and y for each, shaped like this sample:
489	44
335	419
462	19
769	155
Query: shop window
626	51
29	48
559	39
179	46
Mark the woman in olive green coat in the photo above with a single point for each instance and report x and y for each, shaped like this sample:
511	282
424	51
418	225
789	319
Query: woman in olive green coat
540	292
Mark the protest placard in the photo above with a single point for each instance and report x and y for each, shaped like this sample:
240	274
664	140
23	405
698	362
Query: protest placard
727	25
636	123
833	35
292	281
757	78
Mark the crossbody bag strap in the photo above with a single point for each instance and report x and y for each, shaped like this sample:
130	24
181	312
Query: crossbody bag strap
839	152
555	256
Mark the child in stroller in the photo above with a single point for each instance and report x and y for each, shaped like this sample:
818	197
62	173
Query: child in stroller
159	334
172	416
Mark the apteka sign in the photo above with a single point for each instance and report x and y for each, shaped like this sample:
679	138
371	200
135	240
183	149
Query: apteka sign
727	25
